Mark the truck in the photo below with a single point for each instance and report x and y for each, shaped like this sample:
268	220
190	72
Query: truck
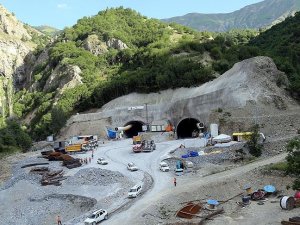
79	143
145	146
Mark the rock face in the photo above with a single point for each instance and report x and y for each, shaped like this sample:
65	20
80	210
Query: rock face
94	45
15	45
11	26
97	47
246	90
63	78
116	44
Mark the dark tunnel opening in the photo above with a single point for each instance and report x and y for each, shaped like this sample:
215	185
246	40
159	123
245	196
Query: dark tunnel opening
186	127
137	126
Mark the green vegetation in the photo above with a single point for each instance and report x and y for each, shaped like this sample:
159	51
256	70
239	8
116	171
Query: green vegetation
293	160
47	30
282	44
280	166
159	56
255	148
13	138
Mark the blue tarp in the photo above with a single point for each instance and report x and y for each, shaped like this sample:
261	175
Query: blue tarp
111	134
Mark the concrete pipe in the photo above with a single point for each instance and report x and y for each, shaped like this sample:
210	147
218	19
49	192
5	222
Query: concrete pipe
123	128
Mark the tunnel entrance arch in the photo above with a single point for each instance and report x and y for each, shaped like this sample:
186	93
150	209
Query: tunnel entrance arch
186	127
136	127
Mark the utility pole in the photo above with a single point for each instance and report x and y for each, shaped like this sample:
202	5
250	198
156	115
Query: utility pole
147	116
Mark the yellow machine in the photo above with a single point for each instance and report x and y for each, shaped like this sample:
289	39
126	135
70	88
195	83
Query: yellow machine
77	144
137	139
74	148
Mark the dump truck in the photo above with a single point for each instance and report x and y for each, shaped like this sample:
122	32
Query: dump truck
79	143
145	146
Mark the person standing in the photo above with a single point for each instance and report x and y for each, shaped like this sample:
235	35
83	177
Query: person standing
175	182
59	220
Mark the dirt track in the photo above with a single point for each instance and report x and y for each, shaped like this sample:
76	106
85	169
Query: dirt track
157	194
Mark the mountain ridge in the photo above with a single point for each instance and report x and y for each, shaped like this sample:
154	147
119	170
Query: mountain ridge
259	15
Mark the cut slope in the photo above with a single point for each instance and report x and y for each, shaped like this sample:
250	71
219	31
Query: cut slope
251	81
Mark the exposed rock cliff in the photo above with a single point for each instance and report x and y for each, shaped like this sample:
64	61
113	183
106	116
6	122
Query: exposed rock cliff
15	45
62	78
94	45
97	47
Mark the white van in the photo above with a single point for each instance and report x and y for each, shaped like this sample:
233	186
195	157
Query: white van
135	191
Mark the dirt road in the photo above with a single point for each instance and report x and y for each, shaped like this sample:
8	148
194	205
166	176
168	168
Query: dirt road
163	181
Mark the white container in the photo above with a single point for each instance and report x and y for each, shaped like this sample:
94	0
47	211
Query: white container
214	130
50	138
287	202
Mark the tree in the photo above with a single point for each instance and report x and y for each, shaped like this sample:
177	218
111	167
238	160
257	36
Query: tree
255	148
293	160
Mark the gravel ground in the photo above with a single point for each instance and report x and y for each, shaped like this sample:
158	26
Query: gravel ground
19	173
163	212
95	177
26	202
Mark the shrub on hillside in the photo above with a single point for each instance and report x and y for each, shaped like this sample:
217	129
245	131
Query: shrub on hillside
293	160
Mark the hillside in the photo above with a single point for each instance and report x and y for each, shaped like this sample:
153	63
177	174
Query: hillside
118	52
17	42
259	15
115	53
47	30
106	56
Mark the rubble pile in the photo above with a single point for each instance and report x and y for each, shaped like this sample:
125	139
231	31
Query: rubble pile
49	177
68	161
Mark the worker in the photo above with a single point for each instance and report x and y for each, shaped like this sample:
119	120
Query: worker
59	220
175	182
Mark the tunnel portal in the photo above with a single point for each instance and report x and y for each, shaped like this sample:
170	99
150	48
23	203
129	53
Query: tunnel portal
137	126
186	127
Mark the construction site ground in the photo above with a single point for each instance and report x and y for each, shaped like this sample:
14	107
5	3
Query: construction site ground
94	186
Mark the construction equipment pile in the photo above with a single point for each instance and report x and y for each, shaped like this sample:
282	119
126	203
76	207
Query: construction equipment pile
49	177
68	161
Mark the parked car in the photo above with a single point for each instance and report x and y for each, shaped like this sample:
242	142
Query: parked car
164	167
102	161
132	167
135	191
96	217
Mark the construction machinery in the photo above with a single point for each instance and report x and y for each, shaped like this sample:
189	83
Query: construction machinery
137	139
144	146
80	143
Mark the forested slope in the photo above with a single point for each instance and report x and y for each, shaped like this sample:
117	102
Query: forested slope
119	51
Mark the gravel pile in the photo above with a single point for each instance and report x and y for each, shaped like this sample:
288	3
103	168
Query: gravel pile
95	177
214	156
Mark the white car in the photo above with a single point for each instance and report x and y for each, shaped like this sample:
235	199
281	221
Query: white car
132	167
163	166
102	161
135	191
96	217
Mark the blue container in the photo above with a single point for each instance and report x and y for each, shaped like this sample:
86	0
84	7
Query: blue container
112	134
246	200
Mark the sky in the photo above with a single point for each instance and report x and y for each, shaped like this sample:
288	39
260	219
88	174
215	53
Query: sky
65	13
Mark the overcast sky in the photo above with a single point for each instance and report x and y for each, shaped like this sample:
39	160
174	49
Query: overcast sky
63	13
